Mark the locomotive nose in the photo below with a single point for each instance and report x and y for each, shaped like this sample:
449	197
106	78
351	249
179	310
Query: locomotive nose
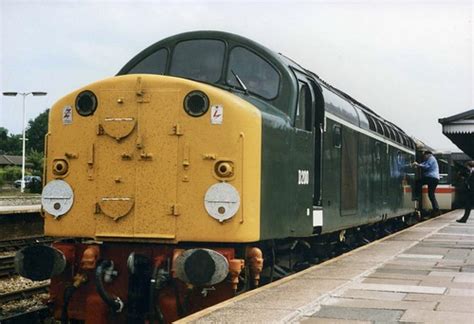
201	267
39	262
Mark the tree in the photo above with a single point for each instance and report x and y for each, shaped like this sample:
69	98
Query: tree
3	134
9	143
36	160
35	132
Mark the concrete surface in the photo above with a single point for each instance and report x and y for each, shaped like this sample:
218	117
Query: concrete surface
422	274
6	210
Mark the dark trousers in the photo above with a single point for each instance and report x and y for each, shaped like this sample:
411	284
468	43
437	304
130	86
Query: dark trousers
432	183
468	205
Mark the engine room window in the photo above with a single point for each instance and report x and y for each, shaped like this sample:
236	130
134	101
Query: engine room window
257	74
303	109
200	59
349	172
336	136
155	63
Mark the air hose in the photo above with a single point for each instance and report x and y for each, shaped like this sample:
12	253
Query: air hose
116	303
68	292
158	280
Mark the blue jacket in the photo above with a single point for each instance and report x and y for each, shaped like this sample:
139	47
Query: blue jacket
430	168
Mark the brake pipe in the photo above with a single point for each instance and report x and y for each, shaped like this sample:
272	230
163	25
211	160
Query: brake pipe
115	303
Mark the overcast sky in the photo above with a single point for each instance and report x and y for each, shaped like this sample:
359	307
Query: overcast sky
410	61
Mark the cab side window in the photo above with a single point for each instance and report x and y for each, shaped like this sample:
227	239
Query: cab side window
303	118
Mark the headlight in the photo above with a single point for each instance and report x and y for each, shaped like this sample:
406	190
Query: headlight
201	267
39	262
86	103
224	169
60	167
196	103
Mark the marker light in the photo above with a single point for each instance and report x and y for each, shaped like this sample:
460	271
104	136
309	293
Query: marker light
196	103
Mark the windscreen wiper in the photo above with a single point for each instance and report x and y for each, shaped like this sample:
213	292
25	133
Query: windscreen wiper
239	80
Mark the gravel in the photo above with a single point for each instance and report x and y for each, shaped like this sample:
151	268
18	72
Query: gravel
18	283
24	305
15	283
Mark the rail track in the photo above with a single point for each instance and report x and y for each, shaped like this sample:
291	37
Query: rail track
7	267
24	293
16	244
23	304
35	315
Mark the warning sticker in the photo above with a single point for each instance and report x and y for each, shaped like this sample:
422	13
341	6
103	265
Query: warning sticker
67	115
217	114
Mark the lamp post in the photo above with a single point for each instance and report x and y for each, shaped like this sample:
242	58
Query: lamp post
24	94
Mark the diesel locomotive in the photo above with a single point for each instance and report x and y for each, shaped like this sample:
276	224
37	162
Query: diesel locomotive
178	181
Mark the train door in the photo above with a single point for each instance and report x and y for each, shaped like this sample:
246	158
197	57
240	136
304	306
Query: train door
114	175
318	144
136	157
377	183
303	149
157	155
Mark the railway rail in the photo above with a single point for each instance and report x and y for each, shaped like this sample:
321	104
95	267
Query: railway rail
16	244
20	299
8	247
34	315
7	267
24	293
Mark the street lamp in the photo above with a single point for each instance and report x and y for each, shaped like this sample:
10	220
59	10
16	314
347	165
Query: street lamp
24	94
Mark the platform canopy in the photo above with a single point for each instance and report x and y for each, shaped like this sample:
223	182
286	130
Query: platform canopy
460	130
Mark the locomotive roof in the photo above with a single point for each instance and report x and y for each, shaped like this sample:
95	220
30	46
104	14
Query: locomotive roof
353	111
287	93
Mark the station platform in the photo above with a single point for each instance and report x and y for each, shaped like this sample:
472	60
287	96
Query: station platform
422	274
27	209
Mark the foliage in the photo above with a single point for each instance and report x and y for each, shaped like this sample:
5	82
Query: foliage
11	173
9	143
36	159
35	132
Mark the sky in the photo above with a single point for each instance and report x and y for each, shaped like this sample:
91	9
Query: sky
410	61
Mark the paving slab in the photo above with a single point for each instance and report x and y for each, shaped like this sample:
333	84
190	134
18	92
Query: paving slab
401	288
457	285
375	295
318	320
391	281
382	304
374	315
459	304
460	292
420	256
403	271
424	316
419	278
422	274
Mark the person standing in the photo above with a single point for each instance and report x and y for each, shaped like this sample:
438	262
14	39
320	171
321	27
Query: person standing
469	182
430	177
